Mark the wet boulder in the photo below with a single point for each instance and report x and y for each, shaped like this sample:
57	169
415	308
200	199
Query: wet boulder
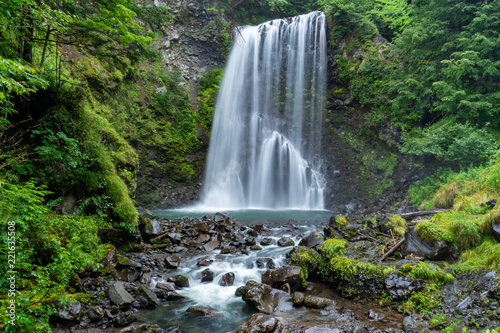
229	250
223	218
227	279
108	261
203	262
261	323
435	250
321	330
129	274
313	240
118	295
266	241
266	299
298	298
172	262
126	262
165	286
146	298
317	302
201	311
285	241
265	263
72	311
279	276
207	275
144	328
212	245
124	319
496	231
179	280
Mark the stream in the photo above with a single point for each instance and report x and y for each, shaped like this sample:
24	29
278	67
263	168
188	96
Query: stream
232	311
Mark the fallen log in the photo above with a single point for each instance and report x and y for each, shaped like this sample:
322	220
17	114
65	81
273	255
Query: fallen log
412	215
394	248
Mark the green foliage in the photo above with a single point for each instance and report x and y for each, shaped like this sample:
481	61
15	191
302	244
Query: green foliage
485	256
423	271
341	221
332	247
209	86
50	249
396	221
422	302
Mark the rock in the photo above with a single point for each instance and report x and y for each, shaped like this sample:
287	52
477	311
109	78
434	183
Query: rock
261	323
72	311
120	238
250	241
359	329
321	330
200	311
152	227
266	241
124	261
375	315
207	275
316	302
298	298
229	250
144	328
124	319
227	279
279	276
490	204
146	277
165	286
223	218
313	240
496	231
146	298
423	249
172	262
266	299
128	274
255	248
118	295
109	259
265	263
402	286
202	262
179	280
175	238
212	245
95	313
415	325
285	241
202	238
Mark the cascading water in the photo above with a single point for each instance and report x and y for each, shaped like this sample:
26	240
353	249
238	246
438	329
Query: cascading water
265	140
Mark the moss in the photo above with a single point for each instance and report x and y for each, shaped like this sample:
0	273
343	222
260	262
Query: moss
445	197
485	256
399	231
396	221
431	232
332	247
423	271
341	221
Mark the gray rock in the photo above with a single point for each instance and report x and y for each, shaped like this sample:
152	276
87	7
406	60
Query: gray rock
212	245
298	298
172	262
118	295
375	315
496	231
261	323
179	280
316	302
146	298
164	286
201	311
146	277
285	241
420	248
313	240
128	274
266	299
279	276
144	328
72	311
207	275
124	319
227	279
124	261
359	329
95	313
175	237
202	238
266	241
321	330
223	218
265	263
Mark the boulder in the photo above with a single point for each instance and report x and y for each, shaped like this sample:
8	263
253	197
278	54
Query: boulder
179	280
279	276
313	240
95	313
437	250
202	238
172	262
496	231
262	323
146	298
144	328
400	287
265	263
298	298
321	330
146	277
227	279
124	319
212	245
223	218
207	275
124	261
129	274
285	241
201	311
108	261
71	312
266	299
118	295
205	261
165	286
317	302
266	241
229	250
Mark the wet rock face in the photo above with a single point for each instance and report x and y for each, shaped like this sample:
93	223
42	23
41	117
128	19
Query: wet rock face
227	279
313	240
423	249
264	323
265	299
201	311
146	298
207	275
285	241
278	277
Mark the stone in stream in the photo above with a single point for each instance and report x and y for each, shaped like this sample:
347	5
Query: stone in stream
285	241
146	277
264	298
321	330
415	245
317	302
118	295
201	311
264	323
279	276
144	328
265	263
229	250
266	241
207	275
129	274
179	280
227	279
205	261
313	240
212	245
146	298
172	262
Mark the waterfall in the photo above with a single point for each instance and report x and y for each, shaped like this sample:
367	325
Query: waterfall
266	133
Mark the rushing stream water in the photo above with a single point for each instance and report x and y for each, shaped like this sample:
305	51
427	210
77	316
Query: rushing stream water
231	309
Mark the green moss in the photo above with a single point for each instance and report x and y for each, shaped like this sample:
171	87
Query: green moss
332	247
423	271
396	221
431	232
341	221
485	256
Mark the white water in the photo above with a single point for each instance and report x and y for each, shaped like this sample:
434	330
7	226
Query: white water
265	139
